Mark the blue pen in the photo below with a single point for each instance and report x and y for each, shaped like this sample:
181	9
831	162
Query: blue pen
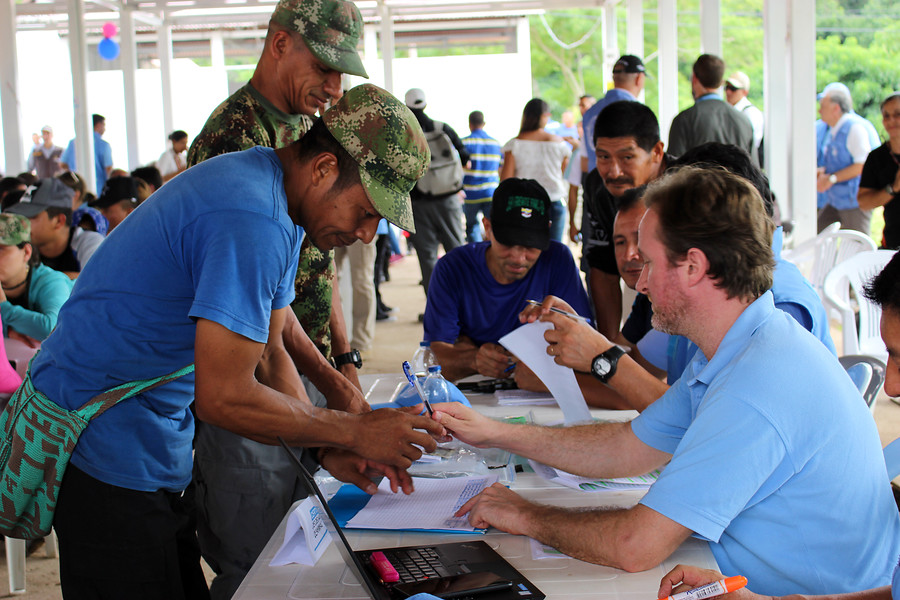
509	368
407	370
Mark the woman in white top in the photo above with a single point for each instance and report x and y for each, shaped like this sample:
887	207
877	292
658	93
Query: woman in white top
537	154
174	160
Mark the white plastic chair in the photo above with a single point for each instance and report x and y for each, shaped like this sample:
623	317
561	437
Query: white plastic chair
803	255
867	373
833	249
854	273
15	560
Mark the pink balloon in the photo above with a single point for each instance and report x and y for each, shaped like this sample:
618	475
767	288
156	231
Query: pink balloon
109	30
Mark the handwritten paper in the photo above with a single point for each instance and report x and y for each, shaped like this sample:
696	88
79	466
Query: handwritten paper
430	507
528	344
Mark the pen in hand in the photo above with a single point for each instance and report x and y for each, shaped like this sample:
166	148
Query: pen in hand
711	590
407	370
559	311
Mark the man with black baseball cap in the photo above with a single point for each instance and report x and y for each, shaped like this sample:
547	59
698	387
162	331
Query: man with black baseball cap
48	205
628	77
478	290
118	198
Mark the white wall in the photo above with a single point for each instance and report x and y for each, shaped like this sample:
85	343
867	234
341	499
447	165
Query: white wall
499	85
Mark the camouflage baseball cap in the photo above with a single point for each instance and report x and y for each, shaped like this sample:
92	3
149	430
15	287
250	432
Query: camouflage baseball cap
331	29
14	229
385	138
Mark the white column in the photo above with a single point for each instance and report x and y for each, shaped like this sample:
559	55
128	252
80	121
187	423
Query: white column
667	16
370	42
129	74
216	50
84	129
801	56
634	31
711	27
164	50
387	45
634	27
776	99
610	43
9	92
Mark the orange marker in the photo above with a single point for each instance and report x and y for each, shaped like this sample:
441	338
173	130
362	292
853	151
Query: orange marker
711	590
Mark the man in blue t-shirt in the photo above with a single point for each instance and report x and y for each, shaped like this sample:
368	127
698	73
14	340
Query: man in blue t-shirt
767	450
203	273
478	290
102	153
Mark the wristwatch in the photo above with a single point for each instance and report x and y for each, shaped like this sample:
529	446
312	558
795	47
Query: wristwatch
832	179
603	367
349	358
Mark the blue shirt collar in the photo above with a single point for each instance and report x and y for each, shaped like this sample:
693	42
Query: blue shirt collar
709	96
701	370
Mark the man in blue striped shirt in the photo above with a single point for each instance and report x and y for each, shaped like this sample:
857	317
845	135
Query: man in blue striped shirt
482	174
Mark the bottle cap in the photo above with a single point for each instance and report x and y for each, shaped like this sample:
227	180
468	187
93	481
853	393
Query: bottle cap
425	344
434	369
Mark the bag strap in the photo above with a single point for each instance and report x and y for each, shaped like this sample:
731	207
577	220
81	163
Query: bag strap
100	403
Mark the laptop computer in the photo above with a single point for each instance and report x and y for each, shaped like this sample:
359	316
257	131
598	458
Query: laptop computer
454	570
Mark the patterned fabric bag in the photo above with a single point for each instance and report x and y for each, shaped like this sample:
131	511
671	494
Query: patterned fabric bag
38	437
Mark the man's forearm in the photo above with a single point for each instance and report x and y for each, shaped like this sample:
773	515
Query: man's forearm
340	342
597	450
606	295
456	360
849	172
624	539
636	385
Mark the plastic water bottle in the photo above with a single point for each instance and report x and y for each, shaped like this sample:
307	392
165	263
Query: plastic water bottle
436	387
422	359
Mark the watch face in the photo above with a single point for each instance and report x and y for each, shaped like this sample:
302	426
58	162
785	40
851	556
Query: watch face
601	366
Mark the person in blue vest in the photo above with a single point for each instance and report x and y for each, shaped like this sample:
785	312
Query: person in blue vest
843	151
482	175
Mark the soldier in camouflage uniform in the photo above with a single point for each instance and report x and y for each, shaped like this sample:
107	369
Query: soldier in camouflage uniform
308	45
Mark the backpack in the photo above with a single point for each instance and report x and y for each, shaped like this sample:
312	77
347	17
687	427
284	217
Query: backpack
445	172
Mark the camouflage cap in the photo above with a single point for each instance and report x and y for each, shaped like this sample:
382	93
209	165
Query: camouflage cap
385	138
331	29
14	229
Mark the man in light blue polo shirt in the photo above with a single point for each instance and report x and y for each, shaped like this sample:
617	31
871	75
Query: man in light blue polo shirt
102	153
771	451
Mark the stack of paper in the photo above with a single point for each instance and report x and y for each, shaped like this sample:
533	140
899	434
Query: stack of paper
590	484
523	397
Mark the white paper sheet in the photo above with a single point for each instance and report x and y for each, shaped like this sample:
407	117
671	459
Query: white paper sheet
528	344
430	507
594	484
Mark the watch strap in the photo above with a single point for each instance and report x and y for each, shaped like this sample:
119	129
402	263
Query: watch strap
348	358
